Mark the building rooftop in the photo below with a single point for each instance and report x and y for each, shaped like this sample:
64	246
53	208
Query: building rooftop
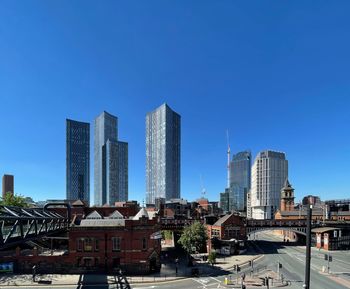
222	220
142	213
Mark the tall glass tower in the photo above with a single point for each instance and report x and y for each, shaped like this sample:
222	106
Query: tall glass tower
240	168
111	162
77	160
162	154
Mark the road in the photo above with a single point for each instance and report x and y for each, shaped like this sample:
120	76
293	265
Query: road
292	259
290	256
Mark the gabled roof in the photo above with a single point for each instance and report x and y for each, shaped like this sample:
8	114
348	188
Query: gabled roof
140	214
78	203
94	215
116	215
222	220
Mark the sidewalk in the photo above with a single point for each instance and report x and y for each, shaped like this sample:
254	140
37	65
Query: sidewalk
227	262
168	273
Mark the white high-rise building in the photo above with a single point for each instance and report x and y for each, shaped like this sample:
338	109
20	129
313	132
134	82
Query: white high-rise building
269	172
162	154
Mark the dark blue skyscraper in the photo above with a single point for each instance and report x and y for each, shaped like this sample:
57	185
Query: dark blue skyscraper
77	160
111	162
240	176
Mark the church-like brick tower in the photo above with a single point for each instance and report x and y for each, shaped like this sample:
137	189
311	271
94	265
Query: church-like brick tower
287	197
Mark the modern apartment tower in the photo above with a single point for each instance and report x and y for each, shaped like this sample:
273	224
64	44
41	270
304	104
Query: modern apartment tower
7	185
77	160
110	162
163	139
240	172
269	173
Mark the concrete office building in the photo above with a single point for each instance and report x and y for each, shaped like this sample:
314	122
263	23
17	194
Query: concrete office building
163	134
8	185
269	173
110	162
77	160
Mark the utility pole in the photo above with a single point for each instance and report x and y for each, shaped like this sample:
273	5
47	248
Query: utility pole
308	248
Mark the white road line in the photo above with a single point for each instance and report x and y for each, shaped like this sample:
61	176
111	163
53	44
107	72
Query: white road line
215	279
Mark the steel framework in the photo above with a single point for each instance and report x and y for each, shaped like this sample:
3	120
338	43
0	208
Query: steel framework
18	225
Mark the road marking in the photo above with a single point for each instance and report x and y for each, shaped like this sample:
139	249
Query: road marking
215	279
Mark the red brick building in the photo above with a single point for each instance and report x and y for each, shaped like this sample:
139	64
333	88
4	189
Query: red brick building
7	185
102	241
229	227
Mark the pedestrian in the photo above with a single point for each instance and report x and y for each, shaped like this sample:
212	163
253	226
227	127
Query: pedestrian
34	272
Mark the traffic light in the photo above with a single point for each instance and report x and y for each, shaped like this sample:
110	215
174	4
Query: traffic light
238	268
279	265
250	263
326	257
234	267
330	258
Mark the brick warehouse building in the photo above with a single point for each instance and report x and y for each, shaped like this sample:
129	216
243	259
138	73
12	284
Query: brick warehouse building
100	241
229	230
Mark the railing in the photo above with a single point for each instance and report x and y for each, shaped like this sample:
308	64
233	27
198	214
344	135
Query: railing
22	224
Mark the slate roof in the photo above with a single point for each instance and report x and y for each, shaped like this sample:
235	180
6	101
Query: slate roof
222	220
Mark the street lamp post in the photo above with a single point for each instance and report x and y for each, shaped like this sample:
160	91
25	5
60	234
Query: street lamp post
308	248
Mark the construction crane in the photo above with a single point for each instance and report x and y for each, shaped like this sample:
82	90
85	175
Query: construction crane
228	160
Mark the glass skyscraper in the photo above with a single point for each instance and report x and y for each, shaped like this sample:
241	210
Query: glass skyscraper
77	160
163	138
111	162
240	170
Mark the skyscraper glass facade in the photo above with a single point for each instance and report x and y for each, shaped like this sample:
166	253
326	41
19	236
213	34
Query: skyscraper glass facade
77	160
240	177
163	138
110	162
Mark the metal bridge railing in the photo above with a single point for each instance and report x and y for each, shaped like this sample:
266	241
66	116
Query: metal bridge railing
19	225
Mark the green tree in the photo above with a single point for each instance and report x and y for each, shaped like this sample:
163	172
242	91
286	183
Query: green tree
167	235
193	236
13	200
212	257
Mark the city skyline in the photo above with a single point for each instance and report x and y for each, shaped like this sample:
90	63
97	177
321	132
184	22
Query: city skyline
275	76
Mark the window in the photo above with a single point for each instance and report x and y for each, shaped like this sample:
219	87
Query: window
79	244
96	244
144	244
116	243
87	244
88	262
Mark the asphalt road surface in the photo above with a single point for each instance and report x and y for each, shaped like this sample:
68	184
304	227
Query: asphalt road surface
290	256
292	259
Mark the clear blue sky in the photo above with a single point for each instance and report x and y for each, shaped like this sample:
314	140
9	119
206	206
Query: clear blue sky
275	73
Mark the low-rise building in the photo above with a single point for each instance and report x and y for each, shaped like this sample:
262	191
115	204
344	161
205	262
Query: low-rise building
229	228
101	239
